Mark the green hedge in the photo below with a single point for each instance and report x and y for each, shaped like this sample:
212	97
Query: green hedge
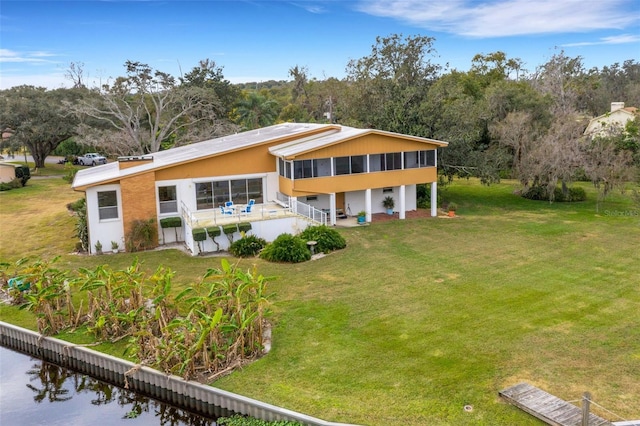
248	246
199	234
214	231
171	222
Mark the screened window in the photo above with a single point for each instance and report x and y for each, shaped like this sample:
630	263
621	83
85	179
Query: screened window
107	205
428	158
376	162
167	195
411	160
323	167
341	165
358	164
393	161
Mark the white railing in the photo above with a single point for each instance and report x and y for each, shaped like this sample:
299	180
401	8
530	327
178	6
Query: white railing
311	212
283	200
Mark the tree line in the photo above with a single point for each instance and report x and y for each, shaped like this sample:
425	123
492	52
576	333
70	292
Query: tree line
500	119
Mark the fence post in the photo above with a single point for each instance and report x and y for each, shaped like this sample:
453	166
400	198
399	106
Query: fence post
586	400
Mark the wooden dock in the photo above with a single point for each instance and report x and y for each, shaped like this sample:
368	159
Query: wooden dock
548	408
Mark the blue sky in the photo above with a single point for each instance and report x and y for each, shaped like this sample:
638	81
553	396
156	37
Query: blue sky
259	40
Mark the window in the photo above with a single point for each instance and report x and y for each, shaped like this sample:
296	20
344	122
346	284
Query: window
341	165
387	190
239	191
394	161
209	195
204	195
411	160
428	158
167	196
358	164
322	167
376	162
312	198
107	205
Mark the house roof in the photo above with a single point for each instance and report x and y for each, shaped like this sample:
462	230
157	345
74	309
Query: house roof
312	136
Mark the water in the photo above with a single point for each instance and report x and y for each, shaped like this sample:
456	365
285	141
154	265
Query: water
34	392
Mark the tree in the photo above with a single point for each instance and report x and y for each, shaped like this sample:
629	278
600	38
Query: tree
147	108
607	165
37	118
386	88
255	111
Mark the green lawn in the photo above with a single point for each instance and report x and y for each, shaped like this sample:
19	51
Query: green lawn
416	319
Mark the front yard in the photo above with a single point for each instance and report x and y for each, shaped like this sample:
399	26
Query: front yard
416	319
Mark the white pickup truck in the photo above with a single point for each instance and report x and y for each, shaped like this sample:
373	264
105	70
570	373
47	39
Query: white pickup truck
91	159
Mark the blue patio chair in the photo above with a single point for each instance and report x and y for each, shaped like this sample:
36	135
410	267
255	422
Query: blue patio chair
228	204
224	210
249	206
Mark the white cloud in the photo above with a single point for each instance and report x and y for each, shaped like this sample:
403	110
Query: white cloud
7	55
621	39
502	18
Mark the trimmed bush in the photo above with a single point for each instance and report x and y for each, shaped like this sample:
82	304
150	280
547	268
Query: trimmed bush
171	222
230	228
214	231
286	248
199	234
248	246
244	226
328	239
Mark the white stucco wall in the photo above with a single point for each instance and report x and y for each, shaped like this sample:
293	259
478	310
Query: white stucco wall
106	230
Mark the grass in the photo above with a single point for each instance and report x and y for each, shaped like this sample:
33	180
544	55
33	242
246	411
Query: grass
416	319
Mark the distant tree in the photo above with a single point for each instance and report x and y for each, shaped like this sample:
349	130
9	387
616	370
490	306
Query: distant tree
37	118
255	111
386	89
148	110
608	166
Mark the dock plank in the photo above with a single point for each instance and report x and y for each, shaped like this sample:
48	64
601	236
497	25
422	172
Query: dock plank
548	408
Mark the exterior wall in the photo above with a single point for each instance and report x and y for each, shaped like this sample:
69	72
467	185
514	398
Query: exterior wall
359	181
107	230
248	161
355	200
367	144
608	123
7	173
138	199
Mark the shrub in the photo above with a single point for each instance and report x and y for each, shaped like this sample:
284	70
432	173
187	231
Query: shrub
248	246
78	206
541	194
142	236
286	248
328	239
13	184
199	234
171	222
244	227
239	420
213	231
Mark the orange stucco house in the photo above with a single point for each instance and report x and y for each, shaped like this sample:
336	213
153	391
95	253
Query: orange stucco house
289	175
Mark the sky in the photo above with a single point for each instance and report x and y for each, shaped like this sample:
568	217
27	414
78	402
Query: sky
261	40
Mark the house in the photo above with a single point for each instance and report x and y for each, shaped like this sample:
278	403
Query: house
11	171
612	122
296	174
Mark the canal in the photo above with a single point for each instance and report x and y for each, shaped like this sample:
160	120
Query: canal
34	392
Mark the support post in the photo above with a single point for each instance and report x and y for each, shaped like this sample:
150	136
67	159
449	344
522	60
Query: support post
434	199
586	400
